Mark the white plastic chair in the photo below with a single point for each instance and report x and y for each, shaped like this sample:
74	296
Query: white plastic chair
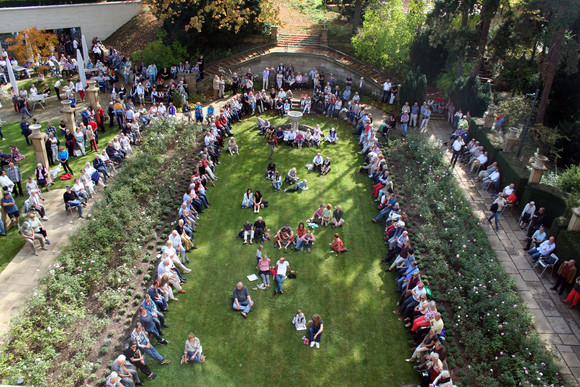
541	261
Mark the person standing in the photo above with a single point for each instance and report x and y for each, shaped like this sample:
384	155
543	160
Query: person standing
315	330
57	88
404	123
15	176
457	146
25	129
566	274
282	267
10	208
386	90
265	78
361	86
495	209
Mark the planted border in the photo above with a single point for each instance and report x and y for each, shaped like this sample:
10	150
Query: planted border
93	285
492	328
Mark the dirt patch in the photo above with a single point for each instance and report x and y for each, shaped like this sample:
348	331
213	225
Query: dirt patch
136	33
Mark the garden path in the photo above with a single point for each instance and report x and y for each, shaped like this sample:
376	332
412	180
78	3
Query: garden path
557	325
23	273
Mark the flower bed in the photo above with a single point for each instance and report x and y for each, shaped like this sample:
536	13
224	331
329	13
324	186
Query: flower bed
92	286
495	343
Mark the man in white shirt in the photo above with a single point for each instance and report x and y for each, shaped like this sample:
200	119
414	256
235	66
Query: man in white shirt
386	90
478	161
282	267
317	162
509	189
493	178
175	239
544	250
57	88
457	146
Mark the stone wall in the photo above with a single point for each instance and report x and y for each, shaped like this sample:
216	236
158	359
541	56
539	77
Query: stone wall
303	63
99	19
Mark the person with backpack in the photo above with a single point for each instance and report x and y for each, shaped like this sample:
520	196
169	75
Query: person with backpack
495	209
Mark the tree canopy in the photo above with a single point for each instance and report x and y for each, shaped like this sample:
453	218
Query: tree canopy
31	44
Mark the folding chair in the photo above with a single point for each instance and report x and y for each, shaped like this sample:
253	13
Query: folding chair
546	262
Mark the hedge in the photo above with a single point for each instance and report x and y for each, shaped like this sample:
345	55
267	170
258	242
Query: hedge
568	246
548	197
512	170
483	136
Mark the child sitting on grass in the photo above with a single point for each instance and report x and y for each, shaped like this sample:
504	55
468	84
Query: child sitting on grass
299	321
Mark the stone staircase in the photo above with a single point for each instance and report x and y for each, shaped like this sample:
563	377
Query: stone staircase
484	72
287	40
307	44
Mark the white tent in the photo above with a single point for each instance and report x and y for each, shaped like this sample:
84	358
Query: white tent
85	51
81	68
11	74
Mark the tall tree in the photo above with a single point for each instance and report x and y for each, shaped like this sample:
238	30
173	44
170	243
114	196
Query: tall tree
31	44
488	11
214	22
560	15
356	20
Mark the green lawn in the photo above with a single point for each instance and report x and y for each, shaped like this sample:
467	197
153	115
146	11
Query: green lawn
12	243
363	342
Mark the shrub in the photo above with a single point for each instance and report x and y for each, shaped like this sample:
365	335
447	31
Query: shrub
484	313
414	87
569	182
468	94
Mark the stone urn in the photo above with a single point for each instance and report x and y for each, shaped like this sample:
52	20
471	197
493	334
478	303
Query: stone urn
490	116
538	164
295	117
511	139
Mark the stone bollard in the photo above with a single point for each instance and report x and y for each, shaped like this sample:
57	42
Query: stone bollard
38	140
324	36
93	94
574	224
511	139
274	34
68	115
538	168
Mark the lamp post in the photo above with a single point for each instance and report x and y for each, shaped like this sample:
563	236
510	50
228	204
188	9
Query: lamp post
527	127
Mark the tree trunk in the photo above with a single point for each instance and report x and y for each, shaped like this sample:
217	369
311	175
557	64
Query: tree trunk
549	70
356	21
482	44
461	55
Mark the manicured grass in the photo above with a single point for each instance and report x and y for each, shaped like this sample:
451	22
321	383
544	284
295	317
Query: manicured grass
12	243
363	342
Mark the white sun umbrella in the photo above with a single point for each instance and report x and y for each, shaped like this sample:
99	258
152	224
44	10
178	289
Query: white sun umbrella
81	68
11	74
85	50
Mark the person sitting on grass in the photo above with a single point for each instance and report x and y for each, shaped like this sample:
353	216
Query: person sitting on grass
133	354
260	230
192	351
248	199
291	177
315	330
326	214
128	376
299	321
113	380
241	300
258	201
317	162
248	230
271	171
282	267
337	244
284	237
306	239
317	216
332	137
233	147
301	186
277	182
300	139
337	217
325	167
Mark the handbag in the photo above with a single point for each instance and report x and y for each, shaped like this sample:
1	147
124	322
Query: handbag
305	340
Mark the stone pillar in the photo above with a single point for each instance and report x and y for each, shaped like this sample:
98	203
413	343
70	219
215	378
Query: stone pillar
191	82
274	34
324	36
574	224
93	94
511	139
490	117
538	169
68	115
37	139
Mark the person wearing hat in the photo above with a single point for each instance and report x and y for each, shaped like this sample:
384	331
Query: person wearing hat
71	199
